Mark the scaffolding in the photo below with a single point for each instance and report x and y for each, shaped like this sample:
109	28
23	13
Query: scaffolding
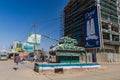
109	10
74	20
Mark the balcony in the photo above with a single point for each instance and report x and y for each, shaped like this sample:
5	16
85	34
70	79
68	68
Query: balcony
115	29
115	43
106	31
115	33
106	41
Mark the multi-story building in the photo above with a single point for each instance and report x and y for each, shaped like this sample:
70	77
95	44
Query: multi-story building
108	21
119	15
19	46
119	11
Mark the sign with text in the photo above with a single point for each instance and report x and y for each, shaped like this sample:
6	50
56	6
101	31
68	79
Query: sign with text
34	39
91	29
29	48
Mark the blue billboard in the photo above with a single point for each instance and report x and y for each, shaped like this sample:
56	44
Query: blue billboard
91	28
29	48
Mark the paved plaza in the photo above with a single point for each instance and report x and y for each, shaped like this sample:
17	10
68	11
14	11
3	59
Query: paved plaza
109	71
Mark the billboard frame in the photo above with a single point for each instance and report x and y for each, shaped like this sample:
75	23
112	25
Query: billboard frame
34	39
92	37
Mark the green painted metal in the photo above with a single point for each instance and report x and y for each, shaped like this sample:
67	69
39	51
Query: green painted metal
69	59
67	44
67	51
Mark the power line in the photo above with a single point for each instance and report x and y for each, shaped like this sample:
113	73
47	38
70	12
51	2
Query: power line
42	29
27	32
46	25
49	37
44	21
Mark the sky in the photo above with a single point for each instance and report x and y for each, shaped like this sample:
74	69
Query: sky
18	16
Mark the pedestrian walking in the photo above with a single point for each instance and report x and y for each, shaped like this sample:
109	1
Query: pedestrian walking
16	61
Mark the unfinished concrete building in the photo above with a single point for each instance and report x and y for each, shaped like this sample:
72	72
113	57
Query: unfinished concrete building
109	20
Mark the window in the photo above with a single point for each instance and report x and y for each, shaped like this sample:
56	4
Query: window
106	36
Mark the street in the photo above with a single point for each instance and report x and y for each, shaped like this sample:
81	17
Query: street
25	72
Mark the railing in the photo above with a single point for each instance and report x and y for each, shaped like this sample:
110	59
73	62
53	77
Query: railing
108	5
111	42
106	30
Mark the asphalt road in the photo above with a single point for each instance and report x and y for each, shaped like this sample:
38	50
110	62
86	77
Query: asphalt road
25	72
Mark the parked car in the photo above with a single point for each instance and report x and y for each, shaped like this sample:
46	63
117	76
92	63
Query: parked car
30	57
3	56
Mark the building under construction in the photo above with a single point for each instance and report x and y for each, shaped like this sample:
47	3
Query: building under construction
118	10
109	21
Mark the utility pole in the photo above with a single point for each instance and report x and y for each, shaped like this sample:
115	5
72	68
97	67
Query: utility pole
35	45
